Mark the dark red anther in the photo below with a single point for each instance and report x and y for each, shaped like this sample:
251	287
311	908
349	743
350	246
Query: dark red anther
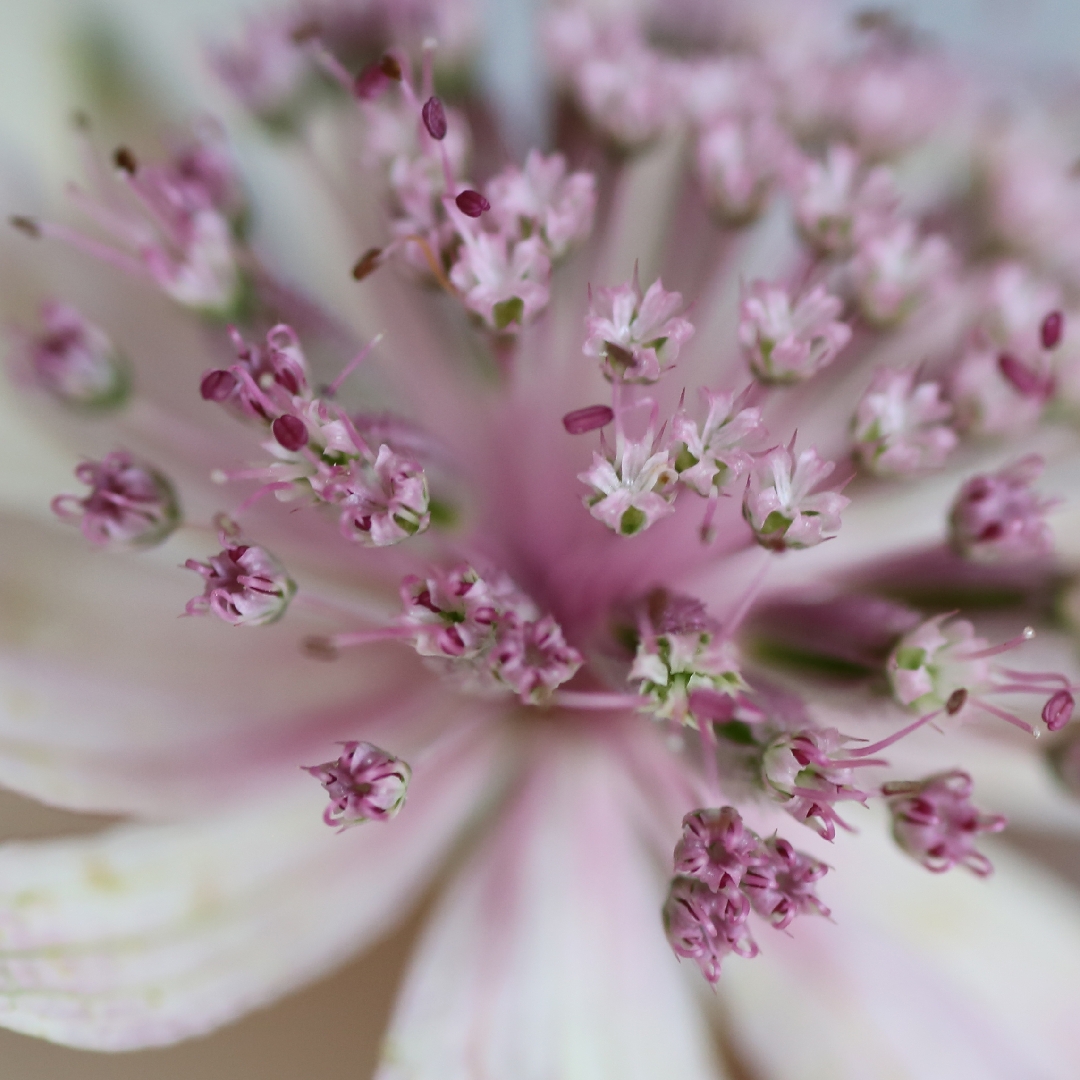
1057	712
590	418
290	432
472	203
26	225
957	700
434	117
390	67
1023	379
125	161
367	264
217	385
1053	326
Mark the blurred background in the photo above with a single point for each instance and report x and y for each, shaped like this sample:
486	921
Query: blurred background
1026	45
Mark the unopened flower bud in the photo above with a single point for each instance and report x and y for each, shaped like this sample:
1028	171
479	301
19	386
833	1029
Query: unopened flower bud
76	362
130	505
706	925
716	847
999	517
244	584
364	784
935	823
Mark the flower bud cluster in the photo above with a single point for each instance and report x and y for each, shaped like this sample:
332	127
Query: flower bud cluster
723	871
491	625
381	495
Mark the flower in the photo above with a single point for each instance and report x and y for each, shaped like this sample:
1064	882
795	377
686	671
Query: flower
525	697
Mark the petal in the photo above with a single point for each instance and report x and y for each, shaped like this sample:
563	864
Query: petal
109	701
146	935
920	975
547	958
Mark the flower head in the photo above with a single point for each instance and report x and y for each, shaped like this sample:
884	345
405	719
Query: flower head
900	426
635	336
786	339
781	505
543	544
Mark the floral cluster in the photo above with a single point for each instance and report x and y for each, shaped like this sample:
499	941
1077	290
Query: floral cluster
491	624
723	872
381	495
637	598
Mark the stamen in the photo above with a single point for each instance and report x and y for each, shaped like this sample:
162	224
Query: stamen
368	263
434	117
472	203
352	365
1057	712
1052	330
588	419
1027	634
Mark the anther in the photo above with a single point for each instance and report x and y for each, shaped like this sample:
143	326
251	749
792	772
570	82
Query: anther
1057	712
125	161
320	648
217	385
291	432
472	203
957	700
590	418
434	117
367	264
1053	326
390	67
25	224
306	31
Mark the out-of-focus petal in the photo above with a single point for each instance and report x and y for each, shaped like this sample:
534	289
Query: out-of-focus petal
921	976
547	958
145	935
110	701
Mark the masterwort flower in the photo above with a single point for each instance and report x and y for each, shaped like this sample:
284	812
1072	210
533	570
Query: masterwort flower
630	546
